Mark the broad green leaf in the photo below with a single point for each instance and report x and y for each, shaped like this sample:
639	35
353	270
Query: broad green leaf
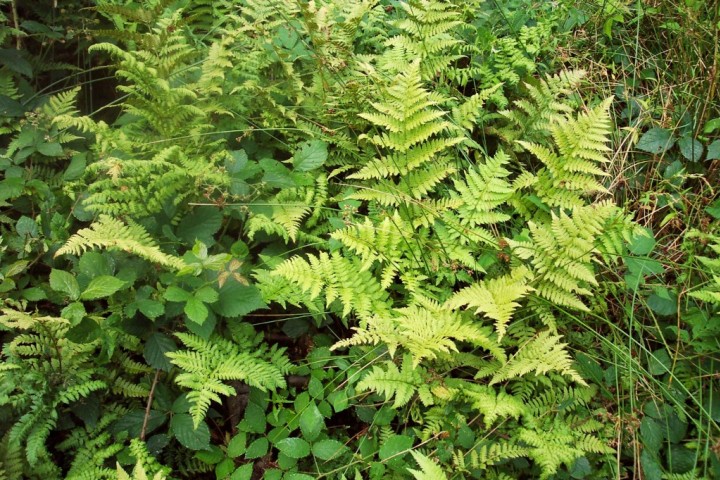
714	209
691	149
50	149
663	302
94	264
713	151
237	445
328	449
395	445
656	140
642	243
188	436
297	476
294	447
659	362
201	224
176	294
257	449
310	156
651	467
150	308
243	472
237	300
225	468
652	434
311	422
156	346
64	282
207	295
102	286
196	310
86	331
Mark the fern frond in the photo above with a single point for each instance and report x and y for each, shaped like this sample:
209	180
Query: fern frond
111	233
541	355
207	364
391	382
496	298
429	470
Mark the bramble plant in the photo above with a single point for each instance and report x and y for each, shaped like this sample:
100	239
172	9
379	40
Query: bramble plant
354	240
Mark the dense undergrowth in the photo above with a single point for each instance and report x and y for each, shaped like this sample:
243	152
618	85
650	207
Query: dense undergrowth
355	239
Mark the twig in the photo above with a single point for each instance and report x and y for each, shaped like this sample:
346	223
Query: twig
16	21
149	404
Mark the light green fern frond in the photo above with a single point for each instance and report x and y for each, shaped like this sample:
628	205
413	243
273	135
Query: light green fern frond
573	170
429	470
111	233
340	278
411	160
541	355
400	383
483	190
208	364
497	298
533	118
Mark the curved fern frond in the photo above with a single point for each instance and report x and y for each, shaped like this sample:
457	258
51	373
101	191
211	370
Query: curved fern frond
111	233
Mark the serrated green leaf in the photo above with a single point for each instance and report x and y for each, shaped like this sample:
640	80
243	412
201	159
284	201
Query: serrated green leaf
156	346
237	445
188	436
311	422
656	140
659	362
395	445
642	243
196	310
297	476
691	149
328	449
651	434
243	472
64	282
237	300
257	449
713	151
201	224
101	287
150	308
207	295
176	294
310	156
294	447
50	149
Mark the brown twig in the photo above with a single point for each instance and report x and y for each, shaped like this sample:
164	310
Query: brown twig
149	404
16	21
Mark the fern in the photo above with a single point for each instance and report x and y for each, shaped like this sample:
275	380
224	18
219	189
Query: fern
110	233
425	333
496	298
571	172
561	253
208	364
427	36
398	383
533	118
337	278
414	163
541	355
429	469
